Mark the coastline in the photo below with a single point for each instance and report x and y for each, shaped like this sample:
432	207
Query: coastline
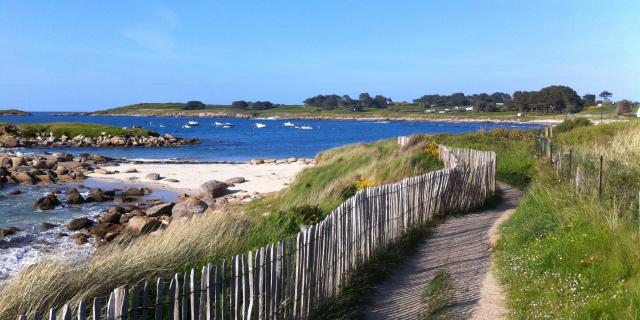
541	121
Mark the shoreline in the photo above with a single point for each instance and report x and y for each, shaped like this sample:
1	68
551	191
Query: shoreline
542	121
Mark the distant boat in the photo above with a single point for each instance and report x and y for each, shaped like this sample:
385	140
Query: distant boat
227	126
289	124
306	127
193	123
260	125
218	124
381	122
186	126
162	126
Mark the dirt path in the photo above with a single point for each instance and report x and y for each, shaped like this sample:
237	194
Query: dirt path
461	247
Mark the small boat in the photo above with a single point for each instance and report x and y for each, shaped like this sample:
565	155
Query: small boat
289	124
218	124
186	126
193	123
381	122
226	126
306	127
260	125
162	126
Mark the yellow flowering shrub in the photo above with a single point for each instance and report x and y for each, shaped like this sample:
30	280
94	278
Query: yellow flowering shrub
363	183
433	149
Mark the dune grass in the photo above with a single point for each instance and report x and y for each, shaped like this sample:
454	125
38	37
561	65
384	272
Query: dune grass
569	255
439	297
72	129
214	235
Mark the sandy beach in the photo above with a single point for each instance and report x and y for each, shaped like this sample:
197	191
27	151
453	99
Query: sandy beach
263	178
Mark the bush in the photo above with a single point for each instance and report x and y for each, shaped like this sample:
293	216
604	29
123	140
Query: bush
571	124
194	105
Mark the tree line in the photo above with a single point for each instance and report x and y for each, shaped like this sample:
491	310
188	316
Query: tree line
333	101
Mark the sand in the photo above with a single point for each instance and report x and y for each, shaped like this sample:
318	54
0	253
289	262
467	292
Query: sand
263	178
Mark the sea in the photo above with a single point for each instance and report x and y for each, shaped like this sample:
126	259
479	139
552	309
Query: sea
221	139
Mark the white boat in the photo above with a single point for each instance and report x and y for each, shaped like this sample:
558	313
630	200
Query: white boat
186	126
260	125
306	127
227	126
218	124
289	124
162	126
193	123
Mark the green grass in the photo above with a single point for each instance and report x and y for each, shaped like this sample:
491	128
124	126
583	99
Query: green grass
439	297
566	256
72	129
332	179
515	152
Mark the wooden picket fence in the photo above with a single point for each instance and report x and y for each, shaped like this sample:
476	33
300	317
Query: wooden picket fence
293	277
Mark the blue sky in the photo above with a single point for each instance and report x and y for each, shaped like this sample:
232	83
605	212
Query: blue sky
87	55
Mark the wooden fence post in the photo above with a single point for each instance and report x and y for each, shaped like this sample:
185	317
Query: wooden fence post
600	178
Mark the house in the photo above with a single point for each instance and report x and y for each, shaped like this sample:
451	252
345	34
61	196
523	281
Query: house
468	108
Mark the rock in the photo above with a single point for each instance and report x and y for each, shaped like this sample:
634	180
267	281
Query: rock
14	192
292	159
256	161
236	180
102	229
142	225
172	180
18	161
118	140
47	202
48	226
153	176
102	171
61	235
281	161
80	238
133	192
69	164
131	170
24	177
44	179
99	195
163	209
8	141
188	207
79	223
111	217
213	189
8	231
74	197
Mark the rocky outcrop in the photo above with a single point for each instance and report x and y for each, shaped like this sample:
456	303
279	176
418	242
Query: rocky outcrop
281	161
213	189
188	207
235	180
47	202
74	197
142	225
163	209
153	176
79	223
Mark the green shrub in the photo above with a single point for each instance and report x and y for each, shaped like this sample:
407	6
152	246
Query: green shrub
571	124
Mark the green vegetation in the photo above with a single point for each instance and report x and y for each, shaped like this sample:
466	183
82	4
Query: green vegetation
438	297
570	255
13	112
571	124
72	129
333	177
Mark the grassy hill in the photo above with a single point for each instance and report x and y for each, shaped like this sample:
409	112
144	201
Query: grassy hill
13	112
72	129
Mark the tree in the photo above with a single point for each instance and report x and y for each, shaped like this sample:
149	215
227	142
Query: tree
380	101
365	100
194	105
240	104
606	96
589	100
623	106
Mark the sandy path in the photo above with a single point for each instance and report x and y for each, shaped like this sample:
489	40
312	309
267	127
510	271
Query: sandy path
461	247
262	178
